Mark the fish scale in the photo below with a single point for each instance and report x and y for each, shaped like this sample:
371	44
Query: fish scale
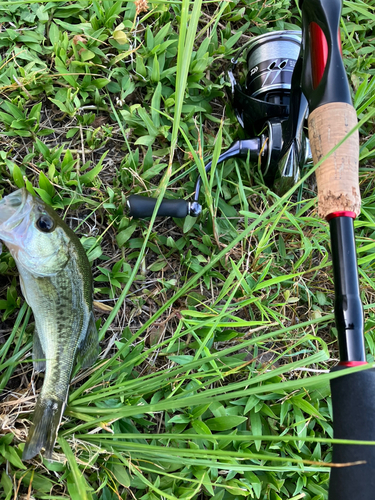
56	282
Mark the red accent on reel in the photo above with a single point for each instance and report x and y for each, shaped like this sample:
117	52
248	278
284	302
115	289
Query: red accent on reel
341	213
319	52
350	364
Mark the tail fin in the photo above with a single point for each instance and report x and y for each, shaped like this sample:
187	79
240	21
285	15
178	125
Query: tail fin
43	431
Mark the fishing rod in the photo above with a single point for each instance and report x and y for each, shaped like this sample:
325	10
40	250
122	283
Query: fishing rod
331	119
293	77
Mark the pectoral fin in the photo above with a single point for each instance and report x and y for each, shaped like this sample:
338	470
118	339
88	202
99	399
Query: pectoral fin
88	349
39	357
24	289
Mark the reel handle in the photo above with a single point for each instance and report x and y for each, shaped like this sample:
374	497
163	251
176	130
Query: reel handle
141	206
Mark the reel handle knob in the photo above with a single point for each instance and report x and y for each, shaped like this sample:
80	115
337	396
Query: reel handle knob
141	207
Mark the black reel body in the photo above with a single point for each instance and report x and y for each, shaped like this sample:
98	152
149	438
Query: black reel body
271	101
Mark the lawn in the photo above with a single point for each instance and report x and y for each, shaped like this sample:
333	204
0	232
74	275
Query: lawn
217	333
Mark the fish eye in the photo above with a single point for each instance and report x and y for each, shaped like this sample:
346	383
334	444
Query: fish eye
45	223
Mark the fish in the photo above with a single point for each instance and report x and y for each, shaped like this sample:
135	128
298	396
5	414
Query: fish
56	281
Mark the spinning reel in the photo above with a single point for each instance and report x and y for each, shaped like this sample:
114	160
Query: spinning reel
270	106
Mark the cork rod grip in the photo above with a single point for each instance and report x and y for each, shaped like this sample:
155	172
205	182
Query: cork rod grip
337	176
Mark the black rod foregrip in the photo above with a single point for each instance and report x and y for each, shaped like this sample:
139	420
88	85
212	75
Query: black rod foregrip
353	403
141	206
348	305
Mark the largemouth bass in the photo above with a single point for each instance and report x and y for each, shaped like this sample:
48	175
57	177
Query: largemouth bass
56	282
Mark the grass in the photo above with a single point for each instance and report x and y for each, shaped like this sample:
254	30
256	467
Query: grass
217	333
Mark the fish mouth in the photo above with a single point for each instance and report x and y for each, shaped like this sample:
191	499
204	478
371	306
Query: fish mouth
13	209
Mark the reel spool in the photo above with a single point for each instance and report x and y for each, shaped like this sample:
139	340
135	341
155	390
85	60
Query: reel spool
271	59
